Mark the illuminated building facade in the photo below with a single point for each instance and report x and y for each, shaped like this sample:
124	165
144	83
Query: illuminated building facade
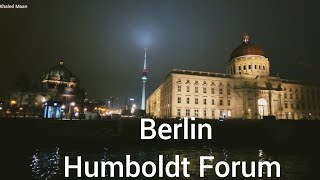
246	91
59	84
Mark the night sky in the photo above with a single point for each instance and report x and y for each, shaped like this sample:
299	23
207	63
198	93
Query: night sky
102	42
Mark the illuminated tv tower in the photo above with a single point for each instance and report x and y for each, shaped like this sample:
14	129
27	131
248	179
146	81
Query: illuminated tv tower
144	80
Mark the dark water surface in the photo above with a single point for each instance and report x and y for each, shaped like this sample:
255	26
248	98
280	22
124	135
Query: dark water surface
48	162
36	149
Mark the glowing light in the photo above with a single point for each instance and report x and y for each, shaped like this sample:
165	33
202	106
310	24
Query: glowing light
145	35
21	109
0	108
55	104
63	107
72	104
133	108
43	99
13	102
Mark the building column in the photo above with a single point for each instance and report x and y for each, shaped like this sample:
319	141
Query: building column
270	103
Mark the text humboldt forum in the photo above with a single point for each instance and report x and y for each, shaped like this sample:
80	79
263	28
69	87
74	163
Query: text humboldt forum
178	167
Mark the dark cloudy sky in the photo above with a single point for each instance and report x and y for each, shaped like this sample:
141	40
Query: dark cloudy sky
102	41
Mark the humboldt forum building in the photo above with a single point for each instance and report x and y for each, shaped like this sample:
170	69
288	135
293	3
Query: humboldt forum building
245	91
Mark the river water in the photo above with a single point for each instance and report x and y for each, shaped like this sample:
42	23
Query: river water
48	162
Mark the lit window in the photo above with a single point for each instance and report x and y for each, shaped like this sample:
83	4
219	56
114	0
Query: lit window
196	89
188	100
196	101
188	88
286	105
204	101
249	67
212	114
244	67
212	101
205	113
229	102
220	90
179	88
204	90
220	102
229	113
179	99
179	112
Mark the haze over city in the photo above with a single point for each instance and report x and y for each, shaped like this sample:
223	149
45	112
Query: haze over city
102	42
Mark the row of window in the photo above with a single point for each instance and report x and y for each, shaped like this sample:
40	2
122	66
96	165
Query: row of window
303	89
291	96
303	106
245	67
204	90
290	115
260	67
196	82
204	101
204	113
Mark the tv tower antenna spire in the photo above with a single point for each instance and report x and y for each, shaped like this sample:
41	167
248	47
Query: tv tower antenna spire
144	80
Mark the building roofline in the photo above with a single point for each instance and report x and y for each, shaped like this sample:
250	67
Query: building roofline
200	73
299	82
224	75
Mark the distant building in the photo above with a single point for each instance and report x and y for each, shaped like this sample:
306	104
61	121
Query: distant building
246	91
59	84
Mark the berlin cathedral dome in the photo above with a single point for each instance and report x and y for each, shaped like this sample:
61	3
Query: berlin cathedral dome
59	76
60	73
247	48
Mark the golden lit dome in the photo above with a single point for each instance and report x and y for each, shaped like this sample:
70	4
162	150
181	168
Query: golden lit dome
60	73
246	48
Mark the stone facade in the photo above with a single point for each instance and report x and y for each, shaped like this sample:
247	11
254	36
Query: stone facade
58	84
246	91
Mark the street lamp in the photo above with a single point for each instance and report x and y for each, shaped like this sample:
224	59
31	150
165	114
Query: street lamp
72	104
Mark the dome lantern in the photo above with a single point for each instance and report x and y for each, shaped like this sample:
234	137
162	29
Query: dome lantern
246	48
61	61
246	38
